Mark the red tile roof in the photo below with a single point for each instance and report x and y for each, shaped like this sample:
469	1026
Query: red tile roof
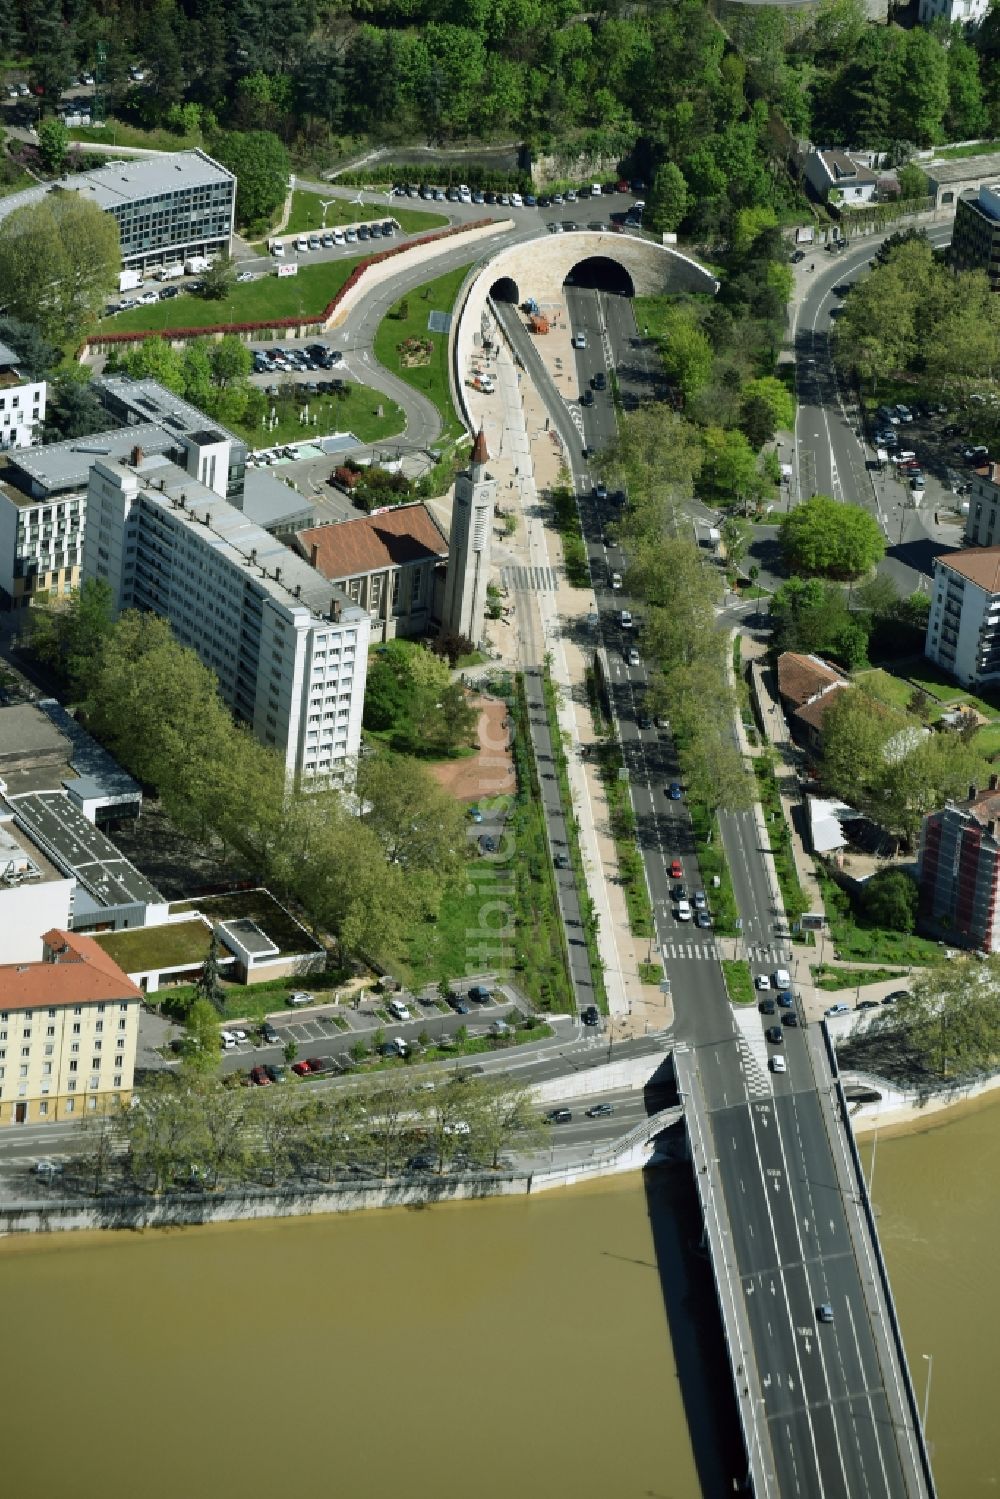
74	971
981	565
814	712
801	677
393	538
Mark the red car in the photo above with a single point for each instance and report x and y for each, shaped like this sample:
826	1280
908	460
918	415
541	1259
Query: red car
259	1076
676	872
301	1069
315	1064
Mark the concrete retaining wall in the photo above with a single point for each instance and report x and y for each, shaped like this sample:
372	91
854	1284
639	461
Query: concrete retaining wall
631	1073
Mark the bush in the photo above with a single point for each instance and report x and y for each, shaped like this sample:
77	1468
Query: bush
889	899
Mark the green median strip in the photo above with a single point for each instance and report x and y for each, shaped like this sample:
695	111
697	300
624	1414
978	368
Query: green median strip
739	984
405	345
623	830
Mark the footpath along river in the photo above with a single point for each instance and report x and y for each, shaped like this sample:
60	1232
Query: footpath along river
500	1348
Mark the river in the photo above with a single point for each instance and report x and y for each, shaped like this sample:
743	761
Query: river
515	1347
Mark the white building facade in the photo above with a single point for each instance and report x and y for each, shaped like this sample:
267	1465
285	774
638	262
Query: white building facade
968	12
22	404
963	627
290	650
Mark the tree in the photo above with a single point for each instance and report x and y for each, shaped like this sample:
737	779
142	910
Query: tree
155	359
69	639
53	144
208	986
684	349
201	1024
499	1111
730	474
231	361
73	408
290	1051
59	261
912	182
36	357
889	899
813	617
668	198
218	281
948	1026
768	405
420	827
826	537
261	166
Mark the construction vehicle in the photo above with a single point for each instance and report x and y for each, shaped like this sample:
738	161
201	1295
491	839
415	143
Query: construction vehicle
538	323
530	306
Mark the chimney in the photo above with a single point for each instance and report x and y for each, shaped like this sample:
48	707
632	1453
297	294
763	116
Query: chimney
994	782
253	554
972	793
137	457
298	590
314	554
991	827
277	574
335	611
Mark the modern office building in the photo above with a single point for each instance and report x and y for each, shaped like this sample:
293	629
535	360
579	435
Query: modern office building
975	239
464	610
68	1031
391	564
167	207
22	403
289	649
959	869
43	490
963	627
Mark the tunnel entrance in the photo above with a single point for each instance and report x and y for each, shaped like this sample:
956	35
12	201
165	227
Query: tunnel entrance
601	273
504	289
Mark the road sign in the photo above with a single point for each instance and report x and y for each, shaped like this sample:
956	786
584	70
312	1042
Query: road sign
813	921
664	986
739	923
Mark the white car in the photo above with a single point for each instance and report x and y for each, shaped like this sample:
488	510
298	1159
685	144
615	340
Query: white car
246	276
458	1128
682	910
299	998
516	201
595	190
227	1039
616	580
777	1064
781	978
148	297
840	1009
625	619
579	340
632	656
399	1009
278	249
338	237
761	981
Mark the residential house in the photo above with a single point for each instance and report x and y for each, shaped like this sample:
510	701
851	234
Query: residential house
958	869
965	12
837	178
984	505
69	1025
807	686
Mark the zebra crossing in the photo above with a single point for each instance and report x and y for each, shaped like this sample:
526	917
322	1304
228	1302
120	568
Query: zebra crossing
774	956
529	579
706	951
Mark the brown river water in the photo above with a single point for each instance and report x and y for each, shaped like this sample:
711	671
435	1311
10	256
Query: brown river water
562	1346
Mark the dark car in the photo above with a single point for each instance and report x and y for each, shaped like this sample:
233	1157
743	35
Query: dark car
460	1007
561	861
785	999
388	229
487	845
798	256
679	892
644	721
674	791
276	1074
600	381
590	1016
587	398
558	1116
866	1004
269	1035
789	1018
600	1110
480	994
774	1035
896	994
767	1007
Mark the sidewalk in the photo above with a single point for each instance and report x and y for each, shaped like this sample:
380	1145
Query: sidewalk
550	619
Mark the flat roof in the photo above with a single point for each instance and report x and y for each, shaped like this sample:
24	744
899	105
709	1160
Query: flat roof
177	944
259	906
118	183
26	729
76	845
269	501
237	539
17	851
97	769
60	466
152	402
249	935
963	168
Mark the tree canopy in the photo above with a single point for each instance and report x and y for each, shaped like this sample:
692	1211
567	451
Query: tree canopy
835	540
59	261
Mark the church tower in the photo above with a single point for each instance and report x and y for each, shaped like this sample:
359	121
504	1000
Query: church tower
469	547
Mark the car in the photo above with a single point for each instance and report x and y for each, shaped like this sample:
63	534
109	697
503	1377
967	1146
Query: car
682	910
338	237
702	919
326	240
47	1168
488	844
616	580
625	619
457	1127
674	791
530	201
481	994
228	1038
777	1064
460	1007
600	493
781	978
679	892
866	1004
478	198
976	455
699	899
299	997
786	1000
571	228
761	981
301	1069
316	1064
258	1076
767	1007
644	720
904	413
351	235
917	481
557	197
590	1016
246	276
558	1116
475	815
824	1313
364	233
571	196
600	381
775	1035
268	1034
896	994
421	1163
579	340
560	861
600	1111
388	229
399	1010
798	256
586	398
275	1073
838	1009
631	656
675	869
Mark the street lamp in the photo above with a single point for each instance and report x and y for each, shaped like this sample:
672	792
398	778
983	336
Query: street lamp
929	1360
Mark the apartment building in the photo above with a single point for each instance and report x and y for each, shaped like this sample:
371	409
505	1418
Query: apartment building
963	627
975	240
43	490
984	504
967	12
69	1025
959	869
167	207
289	649
22	403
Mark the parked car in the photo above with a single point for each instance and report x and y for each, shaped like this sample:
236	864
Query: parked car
838	1009
558	1116
301	1069
399	1010
579	340
299	997
625	619
785	999
775	1035
275	1073
632	656
480	994
269	1035
761	981
767	1007
258	1075
789	1018
600	1110
316	1064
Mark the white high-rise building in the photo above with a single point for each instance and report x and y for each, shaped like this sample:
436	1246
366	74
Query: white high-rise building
290	650
469	547
22	403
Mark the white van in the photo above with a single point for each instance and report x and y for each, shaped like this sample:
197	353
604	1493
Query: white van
302	243
595	189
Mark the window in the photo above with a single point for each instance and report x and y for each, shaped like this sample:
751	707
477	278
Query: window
48	1050
76	1028
43	1109
123	1005
99	1026
75	1046
73	1066
71	1088
69	1102
46	1069
118	1080
122	1024
26	1051
22	1072
52	1014
50	1030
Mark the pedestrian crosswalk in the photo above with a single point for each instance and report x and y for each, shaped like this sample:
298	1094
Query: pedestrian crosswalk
529	579
703	950
775	955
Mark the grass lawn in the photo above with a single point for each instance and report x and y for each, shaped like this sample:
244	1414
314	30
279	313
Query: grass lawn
307	214
115	133
987	741
303	295
893	690
16	183
736	972
630	866
254	1001
357	412
431	378
170	946
869	944
849	978
971	148
713	863
792	894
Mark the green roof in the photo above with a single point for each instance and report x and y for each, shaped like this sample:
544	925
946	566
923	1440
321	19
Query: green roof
180	944
258	906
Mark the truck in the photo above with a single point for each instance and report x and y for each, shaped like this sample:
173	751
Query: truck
170	272
196	264
129	280
538	323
